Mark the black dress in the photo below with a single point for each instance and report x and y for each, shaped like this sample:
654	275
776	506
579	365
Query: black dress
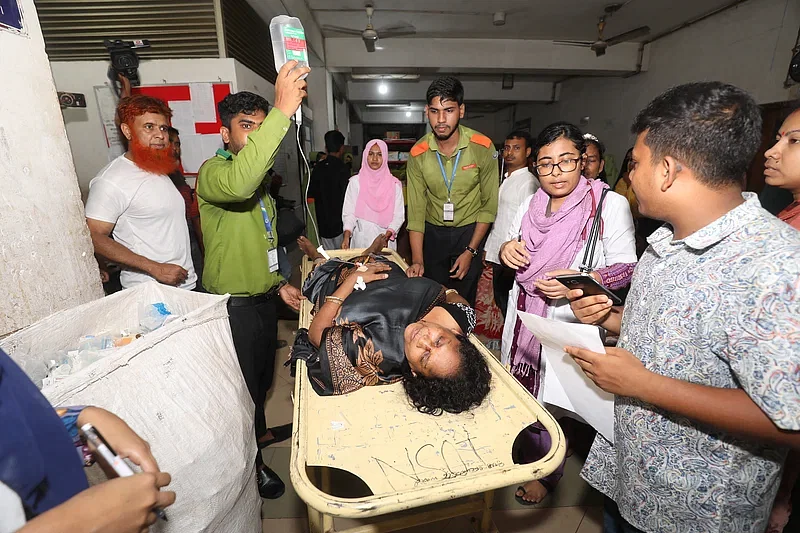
328	187
366	346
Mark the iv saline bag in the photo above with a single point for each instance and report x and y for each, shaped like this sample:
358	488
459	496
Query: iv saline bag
289	43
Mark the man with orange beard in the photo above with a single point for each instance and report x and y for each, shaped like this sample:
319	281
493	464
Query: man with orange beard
134	200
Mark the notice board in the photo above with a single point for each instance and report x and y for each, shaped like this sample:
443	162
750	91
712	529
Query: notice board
11	16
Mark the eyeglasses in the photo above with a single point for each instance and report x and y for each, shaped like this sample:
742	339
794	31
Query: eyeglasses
567	165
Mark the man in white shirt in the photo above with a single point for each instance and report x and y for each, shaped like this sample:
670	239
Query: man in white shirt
134	199
518	184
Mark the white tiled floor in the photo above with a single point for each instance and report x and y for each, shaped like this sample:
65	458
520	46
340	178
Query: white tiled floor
573	508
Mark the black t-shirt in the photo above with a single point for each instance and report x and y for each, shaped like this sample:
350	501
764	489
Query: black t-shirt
328	186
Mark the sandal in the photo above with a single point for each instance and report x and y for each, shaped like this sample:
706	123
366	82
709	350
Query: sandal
279	434
527	503
519	497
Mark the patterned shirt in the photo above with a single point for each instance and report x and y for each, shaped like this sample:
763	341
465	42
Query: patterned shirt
719	308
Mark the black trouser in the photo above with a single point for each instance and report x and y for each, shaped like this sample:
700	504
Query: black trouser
441	247
502	283
254	325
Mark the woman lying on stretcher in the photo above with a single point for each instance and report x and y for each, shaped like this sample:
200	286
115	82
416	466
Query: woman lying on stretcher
396	328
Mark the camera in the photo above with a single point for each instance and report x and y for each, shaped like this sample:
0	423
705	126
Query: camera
794	66
124	59
66	99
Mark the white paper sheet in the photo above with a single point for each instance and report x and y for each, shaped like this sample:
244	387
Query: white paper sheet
192	155
565	383
196	149
203	107
183	117
211	143
107	105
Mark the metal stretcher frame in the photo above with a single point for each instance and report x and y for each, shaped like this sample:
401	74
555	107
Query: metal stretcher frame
409	459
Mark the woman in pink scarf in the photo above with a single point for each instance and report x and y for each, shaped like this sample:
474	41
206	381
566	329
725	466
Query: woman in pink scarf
373	204
547	238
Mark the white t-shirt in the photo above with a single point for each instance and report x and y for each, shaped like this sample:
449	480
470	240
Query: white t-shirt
12	514
149	216
514	190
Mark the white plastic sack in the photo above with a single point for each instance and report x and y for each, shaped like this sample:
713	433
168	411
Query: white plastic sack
179	387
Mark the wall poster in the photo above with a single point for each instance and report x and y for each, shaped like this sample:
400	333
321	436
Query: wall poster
11	17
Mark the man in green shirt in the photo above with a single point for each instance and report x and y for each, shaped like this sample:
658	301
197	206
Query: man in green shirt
452	187
239	224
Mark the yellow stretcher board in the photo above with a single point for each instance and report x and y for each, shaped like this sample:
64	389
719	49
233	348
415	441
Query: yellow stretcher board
406	458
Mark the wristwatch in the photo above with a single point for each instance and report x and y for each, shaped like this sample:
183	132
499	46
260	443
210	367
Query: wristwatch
473	251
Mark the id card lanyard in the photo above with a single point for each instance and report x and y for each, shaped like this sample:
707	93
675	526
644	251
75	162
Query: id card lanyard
448	213
272	252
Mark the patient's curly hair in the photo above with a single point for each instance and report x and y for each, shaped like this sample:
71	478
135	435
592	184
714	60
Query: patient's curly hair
466	390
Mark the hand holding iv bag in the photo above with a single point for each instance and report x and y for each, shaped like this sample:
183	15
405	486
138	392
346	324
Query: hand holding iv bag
289	44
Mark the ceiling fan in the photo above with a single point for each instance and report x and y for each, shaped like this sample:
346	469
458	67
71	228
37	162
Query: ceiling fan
370	35
599	46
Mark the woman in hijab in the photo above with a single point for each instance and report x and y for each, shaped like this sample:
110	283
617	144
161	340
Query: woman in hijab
373	203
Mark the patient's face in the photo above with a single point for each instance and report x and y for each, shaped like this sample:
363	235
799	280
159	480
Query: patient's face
431	350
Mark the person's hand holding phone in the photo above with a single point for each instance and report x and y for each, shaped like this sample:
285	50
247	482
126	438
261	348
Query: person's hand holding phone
589	309
552	288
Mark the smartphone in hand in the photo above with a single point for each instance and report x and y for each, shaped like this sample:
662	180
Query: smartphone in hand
588	285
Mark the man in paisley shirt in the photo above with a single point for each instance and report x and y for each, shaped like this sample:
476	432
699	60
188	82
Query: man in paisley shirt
707	370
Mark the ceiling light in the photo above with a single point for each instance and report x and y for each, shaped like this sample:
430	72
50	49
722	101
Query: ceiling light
399	76
379	48
403	105
408	113
383	88
499	18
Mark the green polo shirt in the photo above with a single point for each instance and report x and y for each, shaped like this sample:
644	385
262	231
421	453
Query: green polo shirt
234	234
475	187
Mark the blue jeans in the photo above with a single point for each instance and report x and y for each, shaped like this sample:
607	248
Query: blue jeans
613	521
